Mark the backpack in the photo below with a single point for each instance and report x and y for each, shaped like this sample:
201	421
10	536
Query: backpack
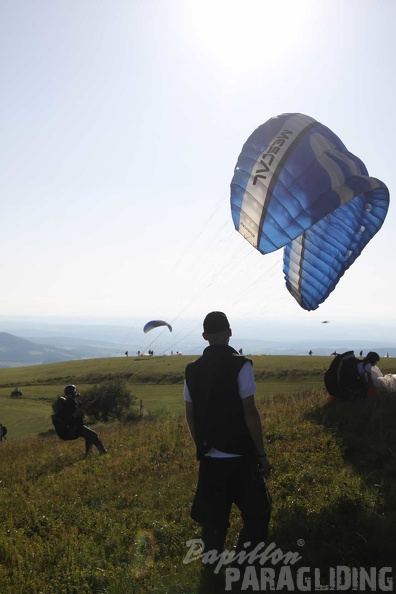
64	429
342	377
57	417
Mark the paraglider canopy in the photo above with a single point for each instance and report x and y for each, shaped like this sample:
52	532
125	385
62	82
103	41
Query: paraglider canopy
296	186
154	324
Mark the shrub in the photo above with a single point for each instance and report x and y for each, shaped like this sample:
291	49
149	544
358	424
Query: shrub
109	401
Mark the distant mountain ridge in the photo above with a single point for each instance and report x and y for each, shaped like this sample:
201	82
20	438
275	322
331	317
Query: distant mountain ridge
40	341
15	351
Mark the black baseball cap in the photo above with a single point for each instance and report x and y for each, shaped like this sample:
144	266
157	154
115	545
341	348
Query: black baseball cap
372	357
215	321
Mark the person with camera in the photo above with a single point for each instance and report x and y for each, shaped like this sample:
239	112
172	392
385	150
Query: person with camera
68	420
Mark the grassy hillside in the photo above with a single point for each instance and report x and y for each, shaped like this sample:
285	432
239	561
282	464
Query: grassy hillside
142	368
119	524
157	381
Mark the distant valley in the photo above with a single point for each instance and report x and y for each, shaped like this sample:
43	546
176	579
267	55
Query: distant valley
16	351
36	342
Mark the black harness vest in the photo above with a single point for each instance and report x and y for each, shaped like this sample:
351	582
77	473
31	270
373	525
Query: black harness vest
219	421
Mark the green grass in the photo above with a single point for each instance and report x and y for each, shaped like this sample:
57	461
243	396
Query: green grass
143	369
157	381
119	524
25	417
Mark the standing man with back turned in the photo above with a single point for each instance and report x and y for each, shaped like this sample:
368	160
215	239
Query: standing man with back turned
226	428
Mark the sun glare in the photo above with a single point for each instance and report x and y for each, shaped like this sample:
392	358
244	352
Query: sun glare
239	36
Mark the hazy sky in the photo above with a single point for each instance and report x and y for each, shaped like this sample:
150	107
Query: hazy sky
121	123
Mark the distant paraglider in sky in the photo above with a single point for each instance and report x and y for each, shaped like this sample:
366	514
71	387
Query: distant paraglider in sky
296	186
154	324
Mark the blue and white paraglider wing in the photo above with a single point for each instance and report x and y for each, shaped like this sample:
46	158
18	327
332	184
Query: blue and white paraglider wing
297	186
155	324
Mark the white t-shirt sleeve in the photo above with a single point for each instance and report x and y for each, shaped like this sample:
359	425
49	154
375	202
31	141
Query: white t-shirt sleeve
186	392
246	383
363	368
